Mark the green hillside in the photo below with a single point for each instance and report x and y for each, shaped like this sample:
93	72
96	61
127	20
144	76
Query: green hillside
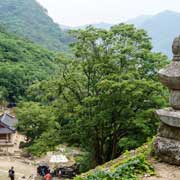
21	64
132	165
29	19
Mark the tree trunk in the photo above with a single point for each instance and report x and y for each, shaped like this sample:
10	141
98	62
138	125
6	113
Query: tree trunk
98	153
114	145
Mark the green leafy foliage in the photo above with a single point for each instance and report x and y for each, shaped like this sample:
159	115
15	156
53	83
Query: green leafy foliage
21	64
27	18
127	171
129	166
85	161
116	93
106	96
38	124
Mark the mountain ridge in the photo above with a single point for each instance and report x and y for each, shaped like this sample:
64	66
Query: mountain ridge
27	18
162	27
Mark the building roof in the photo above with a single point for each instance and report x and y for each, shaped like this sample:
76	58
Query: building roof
5	131
9	121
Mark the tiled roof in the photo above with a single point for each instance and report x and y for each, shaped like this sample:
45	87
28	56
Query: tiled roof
8	121
5	131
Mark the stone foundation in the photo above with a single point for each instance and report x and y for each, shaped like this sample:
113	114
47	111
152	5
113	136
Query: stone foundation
167	150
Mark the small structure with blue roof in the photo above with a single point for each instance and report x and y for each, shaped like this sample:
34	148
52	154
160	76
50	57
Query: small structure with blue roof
9	138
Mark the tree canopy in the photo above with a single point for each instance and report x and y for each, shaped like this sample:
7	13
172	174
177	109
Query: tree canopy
21	64
104	99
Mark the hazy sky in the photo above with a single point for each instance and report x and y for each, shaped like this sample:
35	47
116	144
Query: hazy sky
78	12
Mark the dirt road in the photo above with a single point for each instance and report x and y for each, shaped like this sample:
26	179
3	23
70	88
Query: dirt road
21	168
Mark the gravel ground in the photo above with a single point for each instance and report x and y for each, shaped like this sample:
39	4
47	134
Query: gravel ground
21	168
164	172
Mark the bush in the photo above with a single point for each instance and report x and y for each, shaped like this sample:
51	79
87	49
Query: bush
128	167
85	161
127	171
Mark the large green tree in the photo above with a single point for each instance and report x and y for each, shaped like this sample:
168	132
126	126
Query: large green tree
114	89
104	99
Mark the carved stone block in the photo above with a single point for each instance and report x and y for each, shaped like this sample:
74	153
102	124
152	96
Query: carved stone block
169	116
170	76
167	150
175	99
169	132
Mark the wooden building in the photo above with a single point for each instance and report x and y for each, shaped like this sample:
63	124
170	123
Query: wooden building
9	138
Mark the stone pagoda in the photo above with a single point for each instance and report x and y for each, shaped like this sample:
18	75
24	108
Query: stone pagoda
167	143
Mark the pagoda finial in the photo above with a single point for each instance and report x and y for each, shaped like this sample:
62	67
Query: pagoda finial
176	49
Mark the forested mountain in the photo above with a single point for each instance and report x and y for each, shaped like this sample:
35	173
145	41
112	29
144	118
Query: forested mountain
162	28
21	64
29	19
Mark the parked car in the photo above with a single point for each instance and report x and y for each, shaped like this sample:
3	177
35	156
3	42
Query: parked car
66	172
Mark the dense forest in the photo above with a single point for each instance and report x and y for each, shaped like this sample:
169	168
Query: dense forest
102	99
29	19
21	64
